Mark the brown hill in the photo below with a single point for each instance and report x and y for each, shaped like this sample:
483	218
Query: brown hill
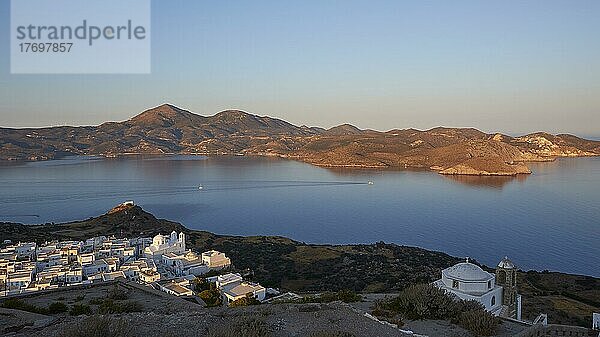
169	129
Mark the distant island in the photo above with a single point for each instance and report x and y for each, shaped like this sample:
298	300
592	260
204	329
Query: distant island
167	129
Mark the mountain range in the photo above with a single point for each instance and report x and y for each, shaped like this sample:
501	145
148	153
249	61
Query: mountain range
167	129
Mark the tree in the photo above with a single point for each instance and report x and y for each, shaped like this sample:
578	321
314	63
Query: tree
211	297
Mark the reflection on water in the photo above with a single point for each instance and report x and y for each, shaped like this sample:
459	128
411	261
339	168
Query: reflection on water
544	220
488	181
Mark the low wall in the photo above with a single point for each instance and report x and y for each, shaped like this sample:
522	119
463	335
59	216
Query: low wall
555	330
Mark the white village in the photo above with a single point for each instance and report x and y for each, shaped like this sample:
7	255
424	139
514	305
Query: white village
161	262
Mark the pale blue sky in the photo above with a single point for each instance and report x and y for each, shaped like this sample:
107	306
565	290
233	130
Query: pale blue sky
509	66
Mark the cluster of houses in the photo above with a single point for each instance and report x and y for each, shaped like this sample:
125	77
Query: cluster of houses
162	262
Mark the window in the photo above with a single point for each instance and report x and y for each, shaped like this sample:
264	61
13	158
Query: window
455	284
493	300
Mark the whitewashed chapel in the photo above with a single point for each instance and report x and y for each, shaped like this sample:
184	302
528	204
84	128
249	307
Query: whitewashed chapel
497	293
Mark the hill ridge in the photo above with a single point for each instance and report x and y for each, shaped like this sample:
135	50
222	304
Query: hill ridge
169	129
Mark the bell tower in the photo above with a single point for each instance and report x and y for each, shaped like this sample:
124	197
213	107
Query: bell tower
506	277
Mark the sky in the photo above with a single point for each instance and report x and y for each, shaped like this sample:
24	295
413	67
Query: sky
506	66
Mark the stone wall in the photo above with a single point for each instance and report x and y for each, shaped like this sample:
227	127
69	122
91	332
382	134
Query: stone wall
556	330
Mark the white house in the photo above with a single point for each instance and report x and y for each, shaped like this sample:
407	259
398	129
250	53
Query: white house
226	281
176	288
215	259
187	264
149	276
26	249
113	275
19	279
97	266
86	258
242	290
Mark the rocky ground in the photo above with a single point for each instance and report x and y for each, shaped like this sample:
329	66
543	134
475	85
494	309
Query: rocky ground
165	315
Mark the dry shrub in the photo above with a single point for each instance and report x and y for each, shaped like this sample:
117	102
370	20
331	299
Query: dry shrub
241	327
479	323
98	326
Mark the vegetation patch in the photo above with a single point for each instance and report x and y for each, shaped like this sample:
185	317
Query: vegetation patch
15	303
242	327
109	306
212	297
346	296
426	301
99	326
80	309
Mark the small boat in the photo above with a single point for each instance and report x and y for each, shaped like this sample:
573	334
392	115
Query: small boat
200	187
370	182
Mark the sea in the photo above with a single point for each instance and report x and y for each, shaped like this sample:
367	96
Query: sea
549	220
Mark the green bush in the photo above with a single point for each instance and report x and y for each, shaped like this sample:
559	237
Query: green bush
98	326
80	309
117	293
346	296
211	297
200	284
15	303
423	301
426	301
57	307
108	306
478	322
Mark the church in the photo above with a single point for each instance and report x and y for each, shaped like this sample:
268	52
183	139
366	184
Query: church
496	292
162	244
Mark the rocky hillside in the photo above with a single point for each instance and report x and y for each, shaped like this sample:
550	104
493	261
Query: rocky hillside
167	129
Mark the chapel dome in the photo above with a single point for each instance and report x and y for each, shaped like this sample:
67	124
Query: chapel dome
506	263
466	271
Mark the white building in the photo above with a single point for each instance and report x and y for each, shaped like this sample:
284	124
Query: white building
26	250
215	259
149	276
242	290
226	281
113	275
186	264
95	267
19	280
165	244
469	282
177	288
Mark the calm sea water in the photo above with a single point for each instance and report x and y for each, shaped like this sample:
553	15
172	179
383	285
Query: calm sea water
548	220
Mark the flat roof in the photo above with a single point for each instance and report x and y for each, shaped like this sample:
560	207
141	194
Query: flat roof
176	288
243	289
